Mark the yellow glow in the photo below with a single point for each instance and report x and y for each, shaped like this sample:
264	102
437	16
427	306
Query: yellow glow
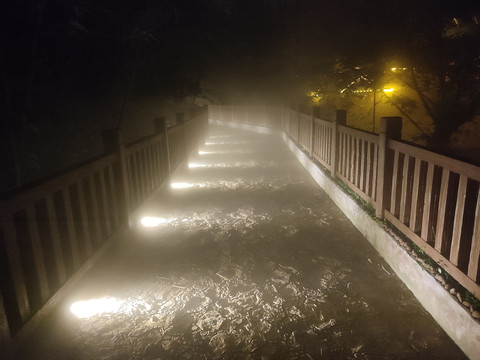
149	221
389	90
89	308
393	69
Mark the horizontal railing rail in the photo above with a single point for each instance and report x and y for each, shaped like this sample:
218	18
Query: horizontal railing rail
434	200
48	232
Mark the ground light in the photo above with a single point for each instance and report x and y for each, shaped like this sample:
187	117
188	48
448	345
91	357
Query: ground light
89	308
181	185
230	152
185	185
226	143
195	165
150	221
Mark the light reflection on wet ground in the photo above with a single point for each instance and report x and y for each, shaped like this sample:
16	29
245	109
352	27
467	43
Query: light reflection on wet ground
248	259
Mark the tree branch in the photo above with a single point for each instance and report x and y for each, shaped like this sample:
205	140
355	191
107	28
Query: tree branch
423	98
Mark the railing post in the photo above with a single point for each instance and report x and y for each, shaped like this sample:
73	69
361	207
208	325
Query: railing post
160	125
340	119
390	128
112	142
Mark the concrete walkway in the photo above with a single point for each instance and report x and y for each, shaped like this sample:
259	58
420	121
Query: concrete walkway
242	256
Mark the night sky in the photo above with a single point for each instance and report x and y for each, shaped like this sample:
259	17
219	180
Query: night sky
89	46
59	56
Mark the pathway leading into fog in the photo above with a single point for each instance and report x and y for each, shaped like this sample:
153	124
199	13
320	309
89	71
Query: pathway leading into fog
242	256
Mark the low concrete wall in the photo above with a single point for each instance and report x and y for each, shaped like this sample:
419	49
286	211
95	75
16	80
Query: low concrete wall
448	313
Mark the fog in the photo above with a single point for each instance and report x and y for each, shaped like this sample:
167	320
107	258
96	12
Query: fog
241	257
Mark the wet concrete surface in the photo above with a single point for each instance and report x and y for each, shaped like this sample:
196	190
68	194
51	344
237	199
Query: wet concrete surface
243	257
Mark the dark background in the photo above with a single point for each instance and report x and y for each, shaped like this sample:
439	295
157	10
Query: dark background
71	68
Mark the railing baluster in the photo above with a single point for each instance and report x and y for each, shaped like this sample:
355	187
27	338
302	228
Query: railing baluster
5	336
106	206
71	228
56	242
113	187
349	157
136	174
362	167
368	185
404	203
15	266
425	234
37	251
375	169
84	219
458	220
328	144
155	164
442	205
151	167
415	194
345	155
322	137
95	213
142	174
393	200
357	165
